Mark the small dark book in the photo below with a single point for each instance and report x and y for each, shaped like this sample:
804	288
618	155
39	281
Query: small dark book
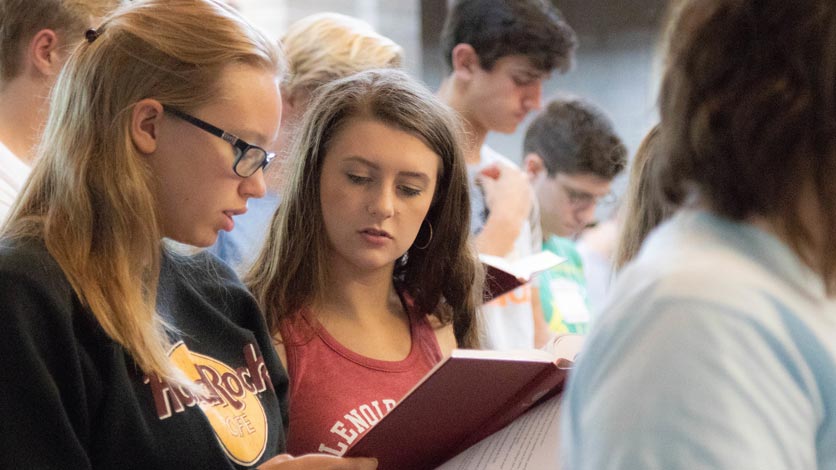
502	276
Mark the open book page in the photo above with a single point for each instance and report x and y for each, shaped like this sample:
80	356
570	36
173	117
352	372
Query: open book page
531	442
526	267
544	354
566	346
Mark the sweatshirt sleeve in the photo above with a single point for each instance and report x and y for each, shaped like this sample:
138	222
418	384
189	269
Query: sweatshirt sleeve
43	403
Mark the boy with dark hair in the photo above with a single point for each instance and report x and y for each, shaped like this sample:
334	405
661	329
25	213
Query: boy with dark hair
499	53
497	29
35	39
572	154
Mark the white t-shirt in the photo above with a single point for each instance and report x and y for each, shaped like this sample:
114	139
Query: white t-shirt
508	319
13	173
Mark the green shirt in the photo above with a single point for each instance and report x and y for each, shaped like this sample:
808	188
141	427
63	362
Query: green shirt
563	289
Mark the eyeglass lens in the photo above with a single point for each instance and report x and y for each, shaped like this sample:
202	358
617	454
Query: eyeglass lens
250	162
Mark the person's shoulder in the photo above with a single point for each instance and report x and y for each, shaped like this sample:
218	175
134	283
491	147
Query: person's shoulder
690	257
489	156
651	288
29	258
13	170
34	290
697	278
210	279
562	246
201	269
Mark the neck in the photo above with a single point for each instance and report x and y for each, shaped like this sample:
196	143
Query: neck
23	110
360	296
451	92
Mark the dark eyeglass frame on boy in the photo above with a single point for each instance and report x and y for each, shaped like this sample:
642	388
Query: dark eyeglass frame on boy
248	158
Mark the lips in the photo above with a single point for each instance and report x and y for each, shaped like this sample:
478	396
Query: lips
234	212
229	224
376	233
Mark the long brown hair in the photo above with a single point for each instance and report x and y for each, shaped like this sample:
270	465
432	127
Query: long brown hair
89	198
290	272
748	116
645	205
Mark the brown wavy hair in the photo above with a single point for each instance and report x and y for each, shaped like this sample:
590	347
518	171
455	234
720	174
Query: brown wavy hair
444	279
748	116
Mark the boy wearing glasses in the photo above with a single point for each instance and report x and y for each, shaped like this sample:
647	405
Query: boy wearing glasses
572	154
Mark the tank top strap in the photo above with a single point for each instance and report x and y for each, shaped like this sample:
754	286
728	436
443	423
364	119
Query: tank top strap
423	334
299	329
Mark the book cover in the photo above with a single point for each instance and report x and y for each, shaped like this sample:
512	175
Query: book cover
464	399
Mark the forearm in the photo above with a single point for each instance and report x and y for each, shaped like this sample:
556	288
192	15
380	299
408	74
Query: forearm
499	233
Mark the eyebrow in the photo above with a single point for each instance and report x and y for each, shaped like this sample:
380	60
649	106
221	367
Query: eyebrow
534	74
409	174
585	192
529	70
253	138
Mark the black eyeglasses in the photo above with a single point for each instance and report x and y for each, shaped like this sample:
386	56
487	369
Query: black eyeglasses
248	158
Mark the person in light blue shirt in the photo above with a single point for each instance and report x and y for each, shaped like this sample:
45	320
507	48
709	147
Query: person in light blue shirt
717	347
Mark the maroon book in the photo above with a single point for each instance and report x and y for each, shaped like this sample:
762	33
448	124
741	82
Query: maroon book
502	276
464	399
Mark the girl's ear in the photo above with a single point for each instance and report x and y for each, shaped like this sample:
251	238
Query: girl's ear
146	117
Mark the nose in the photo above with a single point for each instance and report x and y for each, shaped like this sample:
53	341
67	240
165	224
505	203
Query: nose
585	215
382	202
253	186
534	96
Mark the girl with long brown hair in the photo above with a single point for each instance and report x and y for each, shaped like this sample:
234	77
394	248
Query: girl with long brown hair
367	278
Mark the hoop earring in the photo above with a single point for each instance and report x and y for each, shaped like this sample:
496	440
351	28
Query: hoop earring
429	240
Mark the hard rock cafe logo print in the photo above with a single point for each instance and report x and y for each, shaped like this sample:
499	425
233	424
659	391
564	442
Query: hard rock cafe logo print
229	399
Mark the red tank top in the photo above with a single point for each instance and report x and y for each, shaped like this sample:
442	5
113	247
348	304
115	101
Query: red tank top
336	394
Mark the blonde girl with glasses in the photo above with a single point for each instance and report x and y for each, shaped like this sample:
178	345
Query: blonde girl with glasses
121	353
